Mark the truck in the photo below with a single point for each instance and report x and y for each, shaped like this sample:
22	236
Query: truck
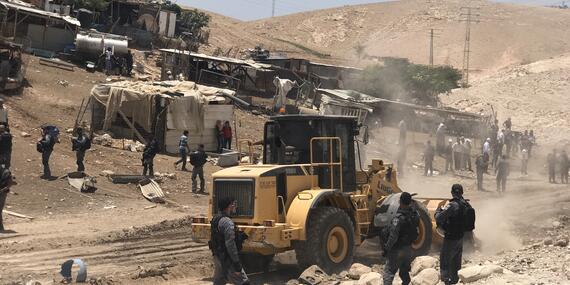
311	195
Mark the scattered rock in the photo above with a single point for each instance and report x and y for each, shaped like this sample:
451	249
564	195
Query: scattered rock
102	281
474	273
556	224
292	282
428	276
313	275
33	282
357	270
371	278
63	83
69	131
25	135
378	268
423	262
151	272
107	173
548	241
562	242
104	140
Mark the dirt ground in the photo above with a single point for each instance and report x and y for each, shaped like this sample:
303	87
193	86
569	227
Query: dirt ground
120	235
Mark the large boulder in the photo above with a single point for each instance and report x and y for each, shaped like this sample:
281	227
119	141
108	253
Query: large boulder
423	262
371	278
313	275
474	273
357	270
428	276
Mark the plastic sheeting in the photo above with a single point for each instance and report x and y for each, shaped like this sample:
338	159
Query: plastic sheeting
137	100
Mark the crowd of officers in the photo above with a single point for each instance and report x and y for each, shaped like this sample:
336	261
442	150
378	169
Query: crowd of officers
456	219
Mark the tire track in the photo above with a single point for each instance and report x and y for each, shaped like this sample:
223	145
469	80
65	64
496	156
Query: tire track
158	248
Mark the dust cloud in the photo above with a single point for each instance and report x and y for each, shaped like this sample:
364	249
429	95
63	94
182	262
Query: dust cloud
494	228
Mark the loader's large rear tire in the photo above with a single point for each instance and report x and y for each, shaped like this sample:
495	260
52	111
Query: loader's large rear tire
330	241
422	244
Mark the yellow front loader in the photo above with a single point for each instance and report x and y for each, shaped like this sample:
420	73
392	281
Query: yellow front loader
308	195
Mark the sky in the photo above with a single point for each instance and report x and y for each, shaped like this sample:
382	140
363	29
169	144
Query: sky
257	9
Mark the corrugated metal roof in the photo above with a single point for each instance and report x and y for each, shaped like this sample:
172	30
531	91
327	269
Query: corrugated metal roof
228	60
26	8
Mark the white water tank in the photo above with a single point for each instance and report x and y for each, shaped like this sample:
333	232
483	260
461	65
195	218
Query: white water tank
97	43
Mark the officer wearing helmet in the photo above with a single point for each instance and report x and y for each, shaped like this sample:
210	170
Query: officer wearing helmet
403	230
456	218
225	243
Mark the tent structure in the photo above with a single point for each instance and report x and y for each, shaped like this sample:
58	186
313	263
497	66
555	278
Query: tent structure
142	110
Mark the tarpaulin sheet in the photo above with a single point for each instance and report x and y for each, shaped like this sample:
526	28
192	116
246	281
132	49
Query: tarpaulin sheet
137	100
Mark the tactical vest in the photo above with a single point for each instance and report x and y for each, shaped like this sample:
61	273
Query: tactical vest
217	243
409	227
455	225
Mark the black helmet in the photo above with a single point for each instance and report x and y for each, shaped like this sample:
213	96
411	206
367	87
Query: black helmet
225	202
456	189
406	198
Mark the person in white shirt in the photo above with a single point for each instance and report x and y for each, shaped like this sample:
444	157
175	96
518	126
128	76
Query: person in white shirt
487	153
524	162
457	154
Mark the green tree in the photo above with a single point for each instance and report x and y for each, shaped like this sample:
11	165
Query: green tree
172	7
92	5
193	20
359	49
398	79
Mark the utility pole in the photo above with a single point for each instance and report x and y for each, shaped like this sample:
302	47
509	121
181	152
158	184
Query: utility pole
467	16
431	47
432	34
273	9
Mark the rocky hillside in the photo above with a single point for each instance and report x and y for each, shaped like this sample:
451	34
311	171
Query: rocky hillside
535	96
507	34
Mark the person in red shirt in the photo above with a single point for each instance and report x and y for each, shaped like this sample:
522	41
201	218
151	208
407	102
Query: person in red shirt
227	130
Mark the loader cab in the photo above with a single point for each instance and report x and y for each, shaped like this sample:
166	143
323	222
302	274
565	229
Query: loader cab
287	141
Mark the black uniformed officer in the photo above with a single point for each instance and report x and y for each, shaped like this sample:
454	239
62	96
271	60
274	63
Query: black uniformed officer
47	143
225	243
451	219
5	146
80	145
149	152
5	182
401	233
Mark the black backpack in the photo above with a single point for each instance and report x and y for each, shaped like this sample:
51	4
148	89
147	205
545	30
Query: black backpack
87	144
40	146
469	216
216	243
411	231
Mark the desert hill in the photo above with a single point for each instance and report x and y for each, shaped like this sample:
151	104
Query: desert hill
506	34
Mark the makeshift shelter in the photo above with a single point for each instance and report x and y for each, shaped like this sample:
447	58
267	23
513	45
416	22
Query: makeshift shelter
164	110
44	29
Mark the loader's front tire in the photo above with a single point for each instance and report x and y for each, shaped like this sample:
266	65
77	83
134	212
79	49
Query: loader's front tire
330	241
422	244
